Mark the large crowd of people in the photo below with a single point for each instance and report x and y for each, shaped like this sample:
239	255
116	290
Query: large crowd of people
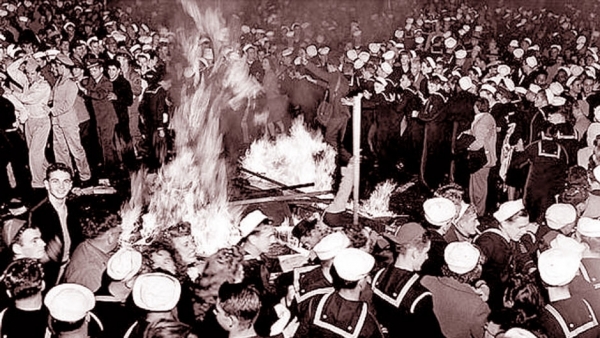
493	110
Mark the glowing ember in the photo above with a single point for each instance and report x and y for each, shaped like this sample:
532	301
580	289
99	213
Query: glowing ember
193	186
298	158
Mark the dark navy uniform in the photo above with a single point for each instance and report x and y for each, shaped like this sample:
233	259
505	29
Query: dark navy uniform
548	161
588	278
409	104
309	281
435	159
498	265
573	317
403	306
332	316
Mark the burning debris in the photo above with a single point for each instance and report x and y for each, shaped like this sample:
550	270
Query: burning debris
298	158
193	186
378	204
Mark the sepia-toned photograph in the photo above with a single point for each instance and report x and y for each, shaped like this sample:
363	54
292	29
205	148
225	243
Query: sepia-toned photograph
299	169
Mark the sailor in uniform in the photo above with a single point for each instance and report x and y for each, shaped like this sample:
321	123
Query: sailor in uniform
340	313
588	231
567	314
403	306
313	280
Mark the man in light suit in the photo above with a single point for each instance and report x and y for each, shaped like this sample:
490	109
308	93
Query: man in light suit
483	128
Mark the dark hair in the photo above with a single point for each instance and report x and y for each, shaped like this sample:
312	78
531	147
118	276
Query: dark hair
304	228
167	328
96	221
58	326
112	62
241	301
58	167
482	104
23	278
525	299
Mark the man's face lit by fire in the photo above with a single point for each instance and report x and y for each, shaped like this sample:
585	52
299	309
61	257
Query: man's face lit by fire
186	248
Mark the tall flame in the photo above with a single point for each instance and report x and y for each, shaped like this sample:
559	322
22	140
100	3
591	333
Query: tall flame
193	186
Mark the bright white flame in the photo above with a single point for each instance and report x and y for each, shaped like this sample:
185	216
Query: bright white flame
193	186
298	158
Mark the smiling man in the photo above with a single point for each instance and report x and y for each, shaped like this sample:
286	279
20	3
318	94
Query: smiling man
57	224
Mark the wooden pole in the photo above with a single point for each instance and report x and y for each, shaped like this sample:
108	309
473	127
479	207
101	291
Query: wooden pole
356	108
270	180
278	198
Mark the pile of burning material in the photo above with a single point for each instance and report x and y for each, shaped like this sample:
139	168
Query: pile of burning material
193	186
296	159
378	204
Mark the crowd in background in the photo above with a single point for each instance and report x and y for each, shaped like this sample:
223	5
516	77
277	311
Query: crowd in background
493	109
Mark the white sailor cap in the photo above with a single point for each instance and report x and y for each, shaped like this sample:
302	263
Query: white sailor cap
461	257
330	245
460	54
387	68
559	215
557	47
135	48
439	211
488	87
531	61
503	70
518	53
388	55
517	332
558	101
92	39
69	302
558	267
353	264
124	264
145	40
514	43
508	209
324	50
311	51
556	88
465	83
251	221
364	56
156	291
374	47
358	64
450	42
568	244
352	55
39	55
588	227
287	52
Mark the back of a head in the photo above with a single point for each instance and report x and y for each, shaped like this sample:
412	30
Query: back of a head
97	221
23	278
241	301
168	328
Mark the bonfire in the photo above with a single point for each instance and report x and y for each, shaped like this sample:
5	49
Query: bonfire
193	186
302	157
